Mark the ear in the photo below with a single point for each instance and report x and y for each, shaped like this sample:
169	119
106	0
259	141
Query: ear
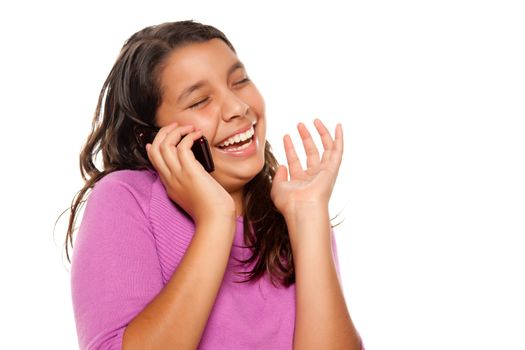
139	135
144	135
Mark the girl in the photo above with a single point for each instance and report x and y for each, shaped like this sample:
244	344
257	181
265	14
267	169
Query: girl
169	256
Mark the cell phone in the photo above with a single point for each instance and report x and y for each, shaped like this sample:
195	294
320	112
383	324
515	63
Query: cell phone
200	148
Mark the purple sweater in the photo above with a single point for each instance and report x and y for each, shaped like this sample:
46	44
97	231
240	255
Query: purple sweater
131	239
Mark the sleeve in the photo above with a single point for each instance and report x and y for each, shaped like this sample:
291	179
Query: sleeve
115	271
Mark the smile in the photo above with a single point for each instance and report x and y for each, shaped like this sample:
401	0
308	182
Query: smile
238	141
241	145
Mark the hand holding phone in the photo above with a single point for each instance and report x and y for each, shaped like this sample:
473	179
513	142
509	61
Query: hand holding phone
195	191
200	148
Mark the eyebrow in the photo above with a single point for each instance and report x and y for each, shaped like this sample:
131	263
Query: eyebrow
187	91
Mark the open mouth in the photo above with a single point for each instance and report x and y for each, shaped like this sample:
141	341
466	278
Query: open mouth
239	141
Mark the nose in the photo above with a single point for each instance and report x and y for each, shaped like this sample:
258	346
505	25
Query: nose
233	106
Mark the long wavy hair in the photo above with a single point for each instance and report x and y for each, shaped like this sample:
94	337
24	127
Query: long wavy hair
131	96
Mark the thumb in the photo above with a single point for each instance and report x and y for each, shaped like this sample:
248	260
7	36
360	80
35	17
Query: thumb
281	174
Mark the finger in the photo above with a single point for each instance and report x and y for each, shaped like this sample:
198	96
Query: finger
166	131
335	156
169	144
155	157
157	161
312	154
161	134
336	153
184	152
174	136
154	153
326	138
280	175
339	144
294	164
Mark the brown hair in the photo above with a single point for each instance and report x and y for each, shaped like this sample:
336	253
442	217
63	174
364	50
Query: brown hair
131	95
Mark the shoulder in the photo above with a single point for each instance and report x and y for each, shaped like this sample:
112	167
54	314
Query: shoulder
124	188
136	179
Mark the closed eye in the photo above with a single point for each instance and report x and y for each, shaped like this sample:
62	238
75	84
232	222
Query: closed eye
195	105
243	81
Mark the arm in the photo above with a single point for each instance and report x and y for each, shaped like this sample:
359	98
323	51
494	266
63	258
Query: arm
118	296
177	316
321	313
322	318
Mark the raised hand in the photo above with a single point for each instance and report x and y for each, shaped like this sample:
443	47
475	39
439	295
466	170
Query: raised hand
185	180
311	186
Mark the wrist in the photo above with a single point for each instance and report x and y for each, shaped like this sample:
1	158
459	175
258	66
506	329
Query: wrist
300	211
224	220
308	224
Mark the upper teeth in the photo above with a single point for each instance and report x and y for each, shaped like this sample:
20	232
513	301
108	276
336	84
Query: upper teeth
243	136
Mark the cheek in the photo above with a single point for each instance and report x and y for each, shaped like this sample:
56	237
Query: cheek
204	123
253	98
257	102
260	131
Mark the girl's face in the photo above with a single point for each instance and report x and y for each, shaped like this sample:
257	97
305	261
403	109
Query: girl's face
205	85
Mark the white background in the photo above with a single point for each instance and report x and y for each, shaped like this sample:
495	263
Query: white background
432	186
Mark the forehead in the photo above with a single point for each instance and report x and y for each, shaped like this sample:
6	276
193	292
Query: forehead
195	61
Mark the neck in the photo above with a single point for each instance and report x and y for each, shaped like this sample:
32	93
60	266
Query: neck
237	198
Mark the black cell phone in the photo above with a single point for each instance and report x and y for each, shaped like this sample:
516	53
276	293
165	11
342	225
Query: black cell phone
200	148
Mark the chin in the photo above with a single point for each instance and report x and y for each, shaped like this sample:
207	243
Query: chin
247	172
235	178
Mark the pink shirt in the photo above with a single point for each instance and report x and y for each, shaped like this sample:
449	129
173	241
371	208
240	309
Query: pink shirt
131	239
